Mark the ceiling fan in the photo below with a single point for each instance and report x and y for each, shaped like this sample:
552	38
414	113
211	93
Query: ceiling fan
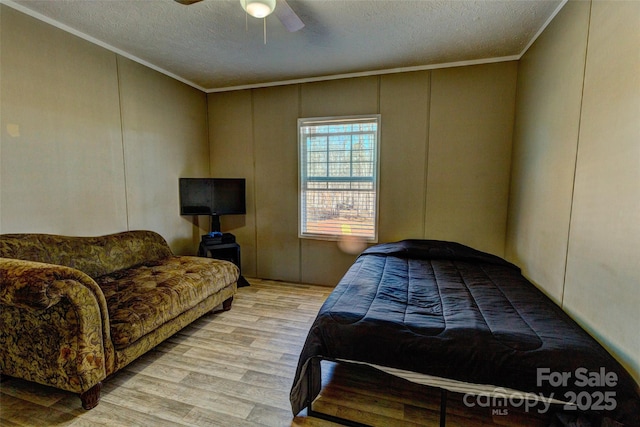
263	8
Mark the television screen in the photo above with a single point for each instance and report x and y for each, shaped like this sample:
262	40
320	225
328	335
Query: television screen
212	196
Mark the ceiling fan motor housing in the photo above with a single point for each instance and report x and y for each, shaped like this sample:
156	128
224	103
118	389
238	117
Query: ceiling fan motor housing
258	8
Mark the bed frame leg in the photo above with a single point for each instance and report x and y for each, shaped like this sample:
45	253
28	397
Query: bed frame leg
310	389
443	407
321	415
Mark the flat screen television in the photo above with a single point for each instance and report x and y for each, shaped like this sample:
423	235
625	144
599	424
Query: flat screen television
214	197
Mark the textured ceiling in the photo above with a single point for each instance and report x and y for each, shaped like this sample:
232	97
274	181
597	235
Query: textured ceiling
212	45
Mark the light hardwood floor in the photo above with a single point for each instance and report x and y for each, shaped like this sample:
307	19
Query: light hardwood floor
235	368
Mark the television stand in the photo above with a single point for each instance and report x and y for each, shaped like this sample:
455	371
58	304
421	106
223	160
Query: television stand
223	251
215	223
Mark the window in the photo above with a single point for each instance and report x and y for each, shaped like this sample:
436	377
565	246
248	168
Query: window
339	177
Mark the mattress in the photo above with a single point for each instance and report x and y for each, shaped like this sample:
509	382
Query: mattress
446	310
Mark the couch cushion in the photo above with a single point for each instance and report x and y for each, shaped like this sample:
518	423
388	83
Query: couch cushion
142	298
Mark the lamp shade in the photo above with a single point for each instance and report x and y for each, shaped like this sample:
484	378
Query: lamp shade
258	8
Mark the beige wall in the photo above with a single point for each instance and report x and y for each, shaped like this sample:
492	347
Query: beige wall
544	151
471	127
61	143
444	162
574	218
92	143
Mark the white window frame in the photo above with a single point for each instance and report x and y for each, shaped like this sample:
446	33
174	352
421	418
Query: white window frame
303	178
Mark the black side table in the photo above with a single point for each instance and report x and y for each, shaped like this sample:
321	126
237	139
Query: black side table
224	251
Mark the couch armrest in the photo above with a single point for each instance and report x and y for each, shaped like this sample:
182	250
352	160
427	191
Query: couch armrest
54	325
38	286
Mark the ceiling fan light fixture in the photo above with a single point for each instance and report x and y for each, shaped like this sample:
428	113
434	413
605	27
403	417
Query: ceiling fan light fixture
258	8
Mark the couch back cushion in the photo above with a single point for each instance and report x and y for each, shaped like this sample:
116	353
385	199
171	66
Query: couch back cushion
94	256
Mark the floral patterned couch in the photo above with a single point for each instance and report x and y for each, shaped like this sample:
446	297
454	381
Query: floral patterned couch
74	310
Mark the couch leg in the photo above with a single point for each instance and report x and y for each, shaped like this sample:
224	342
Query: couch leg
226	306
91	397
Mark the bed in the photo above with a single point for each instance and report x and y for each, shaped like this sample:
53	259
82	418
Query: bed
446	311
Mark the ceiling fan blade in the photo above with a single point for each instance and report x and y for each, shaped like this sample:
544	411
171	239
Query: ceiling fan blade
287	16
188	2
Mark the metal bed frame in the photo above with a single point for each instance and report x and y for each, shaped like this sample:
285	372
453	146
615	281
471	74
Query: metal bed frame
350	423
